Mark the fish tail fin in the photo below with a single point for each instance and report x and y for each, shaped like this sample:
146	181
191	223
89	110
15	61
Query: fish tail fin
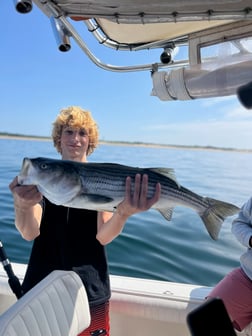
215	214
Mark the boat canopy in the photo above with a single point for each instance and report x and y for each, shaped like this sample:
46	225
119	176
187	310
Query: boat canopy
205	46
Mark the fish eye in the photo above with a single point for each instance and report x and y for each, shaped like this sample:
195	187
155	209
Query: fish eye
43	166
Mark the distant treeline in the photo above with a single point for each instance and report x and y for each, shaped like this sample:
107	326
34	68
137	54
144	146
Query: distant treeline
139	143
133	143
17	135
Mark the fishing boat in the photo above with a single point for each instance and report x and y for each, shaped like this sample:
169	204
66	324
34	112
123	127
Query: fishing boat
141	307
205	51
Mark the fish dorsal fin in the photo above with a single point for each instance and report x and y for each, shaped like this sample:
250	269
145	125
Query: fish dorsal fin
167	172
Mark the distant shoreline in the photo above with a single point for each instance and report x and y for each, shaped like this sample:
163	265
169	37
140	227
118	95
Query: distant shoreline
24	137
125	143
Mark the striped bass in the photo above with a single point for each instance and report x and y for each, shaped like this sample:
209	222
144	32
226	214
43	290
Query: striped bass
101	187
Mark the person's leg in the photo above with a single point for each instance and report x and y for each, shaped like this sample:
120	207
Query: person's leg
99	325
235	289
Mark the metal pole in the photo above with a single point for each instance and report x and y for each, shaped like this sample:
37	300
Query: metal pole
13	279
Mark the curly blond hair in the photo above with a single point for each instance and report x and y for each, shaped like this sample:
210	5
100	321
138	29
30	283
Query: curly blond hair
75	117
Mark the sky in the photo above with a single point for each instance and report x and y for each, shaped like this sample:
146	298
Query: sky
37	80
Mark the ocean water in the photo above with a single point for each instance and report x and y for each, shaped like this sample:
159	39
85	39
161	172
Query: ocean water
149	246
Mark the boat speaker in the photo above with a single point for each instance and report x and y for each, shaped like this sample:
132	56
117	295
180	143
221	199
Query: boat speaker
23	6
244	94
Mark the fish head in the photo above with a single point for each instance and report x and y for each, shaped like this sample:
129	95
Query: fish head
57	180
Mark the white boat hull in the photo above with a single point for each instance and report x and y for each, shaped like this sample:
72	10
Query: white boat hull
139	307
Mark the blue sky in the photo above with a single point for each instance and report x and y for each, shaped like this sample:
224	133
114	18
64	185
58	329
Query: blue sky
37	81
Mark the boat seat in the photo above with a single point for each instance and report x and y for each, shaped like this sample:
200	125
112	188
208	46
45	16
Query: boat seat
57	306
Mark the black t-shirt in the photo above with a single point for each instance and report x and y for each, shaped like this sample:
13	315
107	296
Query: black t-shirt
67	241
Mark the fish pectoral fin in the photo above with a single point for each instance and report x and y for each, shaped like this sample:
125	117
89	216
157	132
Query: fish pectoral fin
166	213
96	198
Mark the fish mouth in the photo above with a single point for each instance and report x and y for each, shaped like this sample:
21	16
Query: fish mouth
24	170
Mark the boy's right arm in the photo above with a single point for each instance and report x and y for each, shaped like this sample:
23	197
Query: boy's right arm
28	211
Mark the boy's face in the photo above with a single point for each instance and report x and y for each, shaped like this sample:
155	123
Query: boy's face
74	144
